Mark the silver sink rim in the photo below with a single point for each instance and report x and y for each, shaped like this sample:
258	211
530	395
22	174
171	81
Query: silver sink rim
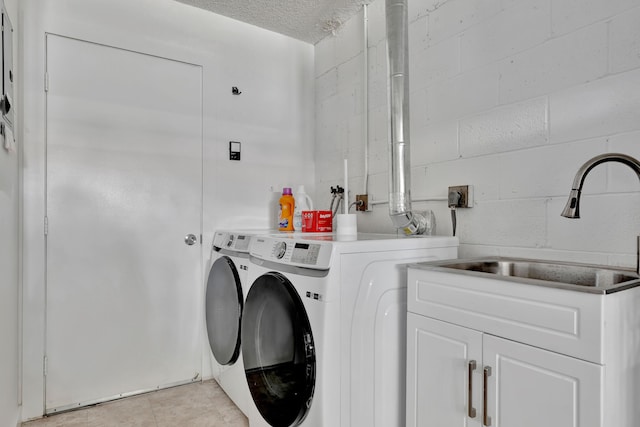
443	266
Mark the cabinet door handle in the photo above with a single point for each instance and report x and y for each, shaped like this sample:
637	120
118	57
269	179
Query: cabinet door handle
486	419
471	410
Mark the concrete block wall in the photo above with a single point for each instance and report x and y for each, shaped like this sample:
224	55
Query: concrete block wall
510	96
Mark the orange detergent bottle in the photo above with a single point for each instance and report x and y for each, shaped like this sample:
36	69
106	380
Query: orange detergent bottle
287	204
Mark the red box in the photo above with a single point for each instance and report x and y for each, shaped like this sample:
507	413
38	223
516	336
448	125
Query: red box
317	221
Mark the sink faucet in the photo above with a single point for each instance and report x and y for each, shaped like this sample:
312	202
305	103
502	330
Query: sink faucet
572	209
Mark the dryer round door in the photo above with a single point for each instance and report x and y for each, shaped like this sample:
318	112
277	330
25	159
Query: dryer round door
223	310
278	351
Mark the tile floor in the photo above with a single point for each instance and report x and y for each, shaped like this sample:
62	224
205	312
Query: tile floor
193	405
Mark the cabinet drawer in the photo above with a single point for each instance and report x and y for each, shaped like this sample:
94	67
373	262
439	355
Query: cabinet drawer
563	321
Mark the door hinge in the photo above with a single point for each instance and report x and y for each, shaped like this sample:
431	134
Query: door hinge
46	81
46	226
44	366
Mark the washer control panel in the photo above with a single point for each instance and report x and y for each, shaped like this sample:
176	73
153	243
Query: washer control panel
280	250
305	253
291	251
296	252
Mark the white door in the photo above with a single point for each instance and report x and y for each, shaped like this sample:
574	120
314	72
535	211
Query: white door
443	384
124	188
531	387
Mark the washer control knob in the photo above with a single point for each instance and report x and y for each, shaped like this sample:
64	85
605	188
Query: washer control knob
280	249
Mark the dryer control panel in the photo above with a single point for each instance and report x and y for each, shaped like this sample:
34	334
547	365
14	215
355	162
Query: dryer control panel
231	241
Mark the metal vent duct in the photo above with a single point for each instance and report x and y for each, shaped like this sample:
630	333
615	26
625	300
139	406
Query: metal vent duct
399	162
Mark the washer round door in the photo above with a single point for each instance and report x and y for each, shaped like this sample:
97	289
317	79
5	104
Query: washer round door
223	310
278	351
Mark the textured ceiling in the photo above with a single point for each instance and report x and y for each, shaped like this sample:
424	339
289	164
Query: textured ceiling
306	20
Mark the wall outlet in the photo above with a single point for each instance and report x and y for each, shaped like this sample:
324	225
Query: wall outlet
364	206
460	196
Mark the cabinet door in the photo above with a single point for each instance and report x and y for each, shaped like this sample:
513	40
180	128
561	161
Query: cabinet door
439	371
531	387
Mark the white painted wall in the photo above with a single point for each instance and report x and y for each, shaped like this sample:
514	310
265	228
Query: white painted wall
10	164
509	96
272	118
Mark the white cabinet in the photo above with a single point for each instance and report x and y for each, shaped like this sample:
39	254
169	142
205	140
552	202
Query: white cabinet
466	378
440	357
476	354
531	387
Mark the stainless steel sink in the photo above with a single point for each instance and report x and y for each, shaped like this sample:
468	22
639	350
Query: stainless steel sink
565	275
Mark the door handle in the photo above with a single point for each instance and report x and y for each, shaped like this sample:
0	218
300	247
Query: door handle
471	411
190	239
486	419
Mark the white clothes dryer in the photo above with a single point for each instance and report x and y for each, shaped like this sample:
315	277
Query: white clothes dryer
324	327
225	291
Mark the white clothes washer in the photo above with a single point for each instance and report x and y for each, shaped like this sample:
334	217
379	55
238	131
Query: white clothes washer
324	327
225	291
